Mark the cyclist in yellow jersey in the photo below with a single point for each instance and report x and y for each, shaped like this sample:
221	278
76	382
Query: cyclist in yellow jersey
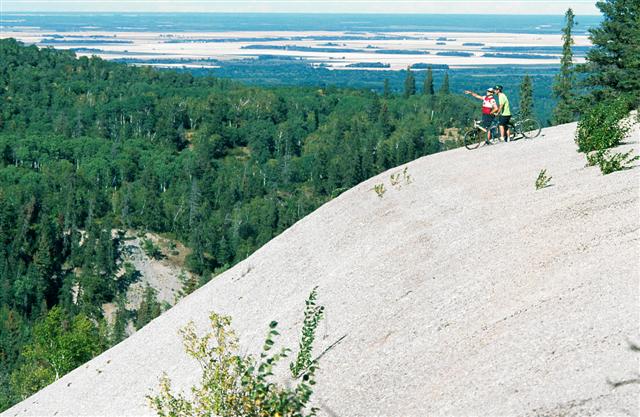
504	113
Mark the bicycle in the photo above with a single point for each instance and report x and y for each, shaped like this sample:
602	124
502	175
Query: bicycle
477	135
528	128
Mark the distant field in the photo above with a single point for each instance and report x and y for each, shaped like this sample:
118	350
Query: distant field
331	49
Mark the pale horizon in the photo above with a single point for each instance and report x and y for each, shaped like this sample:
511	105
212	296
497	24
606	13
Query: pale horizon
478	7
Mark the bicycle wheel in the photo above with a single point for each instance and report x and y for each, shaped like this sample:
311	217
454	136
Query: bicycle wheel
515	131
472	138
530	128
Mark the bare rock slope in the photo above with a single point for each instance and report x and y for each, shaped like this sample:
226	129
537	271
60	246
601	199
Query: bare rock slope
465	292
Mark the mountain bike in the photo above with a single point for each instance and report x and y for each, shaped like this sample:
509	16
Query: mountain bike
528	128
477	135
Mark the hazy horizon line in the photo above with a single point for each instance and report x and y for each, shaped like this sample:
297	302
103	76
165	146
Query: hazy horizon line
19	12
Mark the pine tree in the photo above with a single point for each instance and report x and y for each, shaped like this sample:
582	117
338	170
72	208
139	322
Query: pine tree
428	83
564	81
409	84
613	64
526	97
119	331
386	93
385	120
444	89
149	309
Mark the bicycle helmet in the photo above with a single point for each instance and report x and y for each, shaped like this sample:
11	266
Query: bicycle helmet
498	87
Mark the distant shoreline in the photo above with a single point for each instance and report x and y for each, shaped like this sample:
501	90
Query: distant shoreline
358	22
331	49
336	41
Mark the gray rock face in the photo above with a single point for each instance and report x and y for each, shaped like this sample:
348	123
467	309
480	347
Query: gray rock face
464	292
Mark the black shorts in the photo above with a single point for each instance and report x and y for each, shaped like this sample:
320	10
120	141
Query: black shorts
504	120
487	119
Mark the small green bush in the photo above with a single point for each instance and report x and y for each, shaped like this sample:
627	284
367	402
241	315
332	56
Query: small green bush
151	249
407	177
603	126
379	189
234	385
397	178
593	158
609	163
542	181
313	313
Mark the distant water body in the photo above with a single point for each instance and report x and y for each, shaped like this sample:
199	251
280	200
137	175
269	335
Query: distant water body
227	22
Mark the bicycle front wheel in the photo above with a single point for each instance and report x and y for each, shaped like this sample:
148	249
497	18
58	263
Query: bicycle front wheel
472	138
530	128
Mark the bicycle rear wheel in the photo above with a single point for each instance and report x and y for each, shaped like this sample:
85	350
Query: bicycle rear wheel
472	138
530	128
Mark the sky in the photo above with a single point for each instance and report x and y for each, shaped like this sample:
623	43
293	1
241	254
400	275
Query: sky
554	7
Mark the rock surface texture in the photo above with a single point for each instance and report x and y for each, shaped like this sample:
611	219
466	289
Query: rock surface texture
464	292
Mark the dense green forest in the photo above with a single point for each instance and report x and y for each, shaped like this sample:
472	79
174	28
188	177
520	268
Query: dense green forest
89	147
272	71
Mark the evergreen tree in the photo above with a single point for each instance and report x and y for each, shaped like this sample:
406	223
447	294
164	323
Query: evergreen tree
119	331
149	309
526	97
564	81
613	64
385	120
386	89
444	89
409	84
428	83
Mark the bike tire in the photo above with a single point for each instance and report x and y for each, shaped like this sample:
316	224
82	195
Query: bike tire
530	128
515	132
472	139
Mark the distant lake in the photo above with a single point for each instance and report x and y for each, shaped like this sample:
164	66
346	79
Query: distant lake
225	22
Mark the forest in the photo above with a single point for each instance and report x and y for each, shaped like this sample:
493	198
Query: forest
89	148
275	71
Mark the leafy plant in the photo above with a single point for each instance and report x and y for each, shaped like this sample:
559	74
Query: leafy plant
59	345
237	385
407	177
603	126
609	163
398	177
379	189
313	313
395	179
542	181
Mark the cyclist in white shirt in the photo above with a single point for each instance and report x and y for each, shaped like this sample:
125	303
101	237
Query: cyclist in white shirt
489	109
